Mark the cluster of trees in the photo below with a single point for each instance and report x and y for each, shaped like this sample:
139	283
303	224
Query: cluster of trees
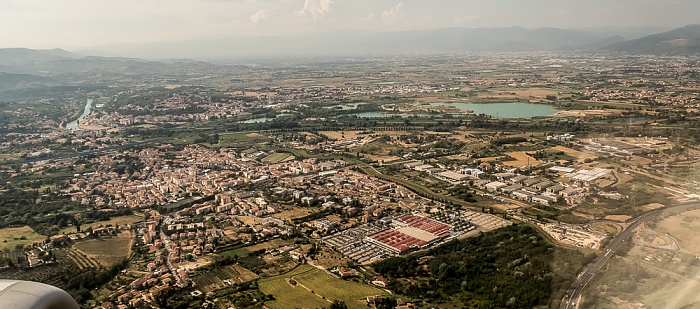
42	212
96	215
507	268
451	144
509	140
127	164
45	213
204	138
462	193
543	154
252	261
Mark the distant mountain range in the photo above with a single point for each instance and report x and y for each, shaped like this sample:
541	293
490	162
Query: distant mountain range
685	40
447	40
361	43
681	41
22	68
58	61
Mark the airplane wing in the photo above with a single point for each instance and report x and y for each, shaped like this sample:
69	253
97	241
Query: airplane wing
17	294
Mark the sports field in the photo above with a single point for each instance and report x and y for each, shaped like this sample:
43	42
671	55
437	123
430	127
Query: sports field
276	157
314	288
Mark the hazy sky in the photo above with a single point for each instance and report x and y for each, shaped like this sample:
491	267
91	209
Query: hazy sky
75	24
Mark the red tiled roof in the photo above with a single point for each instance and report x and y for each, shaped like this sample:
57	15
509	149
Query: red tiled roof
397	240
429	225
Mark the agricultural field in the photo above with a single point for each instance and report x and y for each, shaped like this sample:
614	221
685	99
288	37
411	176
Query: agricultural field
12	237
579	155
277	157
381	149
114	221
57	274
238	139
330	258
240	252
314	288
293	213
215	279
107	251
379	158
82	260
272	244
341	135
521	159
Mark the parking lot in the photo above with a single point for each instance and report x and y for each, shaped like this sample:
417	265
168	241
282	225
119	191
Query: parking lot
353	243
485	222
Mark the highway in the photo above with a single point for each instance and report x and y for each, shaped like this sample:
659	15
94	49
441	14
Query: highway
573	295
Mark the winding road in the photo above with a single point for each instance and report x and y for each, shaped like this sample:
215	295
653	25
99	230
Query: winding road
573	295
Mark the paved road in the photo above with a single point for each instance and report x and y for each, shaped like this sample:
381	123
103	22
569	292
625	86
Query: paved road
573	295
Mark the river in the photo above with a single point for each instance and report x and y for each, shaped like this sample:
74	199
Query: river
73	125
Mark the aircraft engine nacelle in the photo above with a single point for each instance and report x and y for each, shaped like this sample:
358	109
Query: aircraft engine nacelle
17	294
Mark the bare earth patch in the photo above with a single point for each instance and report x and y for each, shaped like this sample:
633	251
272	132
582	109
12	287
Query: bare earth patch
521	159
608	228
618	218
535	92
652	206
340	135
580	155
378	158
683	228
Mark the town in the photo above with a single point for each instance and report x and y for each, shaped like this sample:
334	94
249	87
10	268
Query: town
254	193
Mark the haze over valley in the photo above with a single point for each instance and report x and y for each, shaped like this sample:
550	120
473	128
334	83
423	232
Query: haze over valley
352	154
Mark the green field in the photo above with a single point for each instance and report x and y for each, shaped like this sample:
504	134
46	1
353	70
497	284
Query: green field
240	252
323	286
13	236
271	244
276	157
214	279
240	139
107	251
